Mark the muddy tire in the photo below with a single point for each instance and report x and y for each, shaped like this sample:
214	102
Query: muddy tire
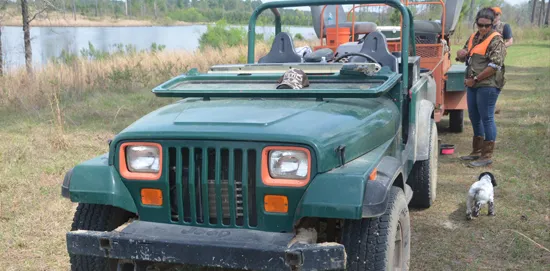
456	121
96	218
381	243
423	177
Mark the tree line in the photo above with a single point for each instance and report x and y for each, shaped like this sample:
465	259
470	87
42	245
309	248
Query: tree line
530	12
238	11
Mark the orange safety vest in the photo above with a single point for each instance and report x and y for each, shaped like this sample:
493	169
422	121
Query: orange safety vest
481	48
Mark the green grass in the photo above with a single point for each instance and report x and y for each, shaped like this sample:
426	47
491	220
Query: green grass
35	153
442	239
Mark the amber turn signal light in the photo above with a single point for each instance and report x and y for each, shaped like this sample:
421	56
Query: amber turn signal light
276	204
373	174
150	196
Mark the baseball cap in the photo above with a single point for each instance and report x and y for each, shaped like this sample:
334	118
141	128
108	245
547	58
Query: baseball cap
293	79
497	10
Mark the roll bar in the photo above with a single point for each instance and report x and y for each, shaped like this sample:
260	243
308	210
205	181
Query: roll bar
407	28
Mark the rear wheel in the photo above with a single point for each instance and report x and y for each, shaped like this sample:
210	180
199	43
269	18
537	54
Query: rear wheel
456	121
380	243
423	178
95	217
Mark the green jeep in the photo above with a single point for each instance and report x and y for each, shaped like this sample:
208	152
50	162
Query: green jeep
242	175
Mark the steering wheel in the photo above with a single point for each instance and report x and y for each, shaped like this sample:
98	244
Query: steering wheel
370	58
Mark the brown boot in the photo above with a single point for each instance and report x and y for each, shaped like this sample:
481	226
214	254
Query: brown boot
486	155
477	145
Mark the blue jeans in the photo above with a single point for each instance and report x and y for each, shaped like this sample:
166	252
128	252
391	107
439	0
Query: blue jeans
481	110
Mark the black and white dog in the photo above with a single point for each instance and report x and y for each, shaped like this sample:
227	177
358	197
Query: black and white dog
481	192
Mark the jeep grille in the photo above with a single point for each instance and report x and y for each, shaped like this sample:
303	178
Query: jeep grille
213	186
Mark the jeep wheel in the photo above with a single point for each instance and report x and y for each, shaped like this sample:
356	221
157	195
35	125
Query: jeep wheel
96	218
381	243
456	121
423	177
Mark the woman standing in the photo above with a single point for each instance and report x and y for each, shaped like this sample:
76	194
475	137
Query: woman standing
484	54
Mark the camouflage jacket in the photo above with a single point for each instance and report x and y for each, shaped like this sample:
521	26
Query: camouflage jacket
496	51
494	57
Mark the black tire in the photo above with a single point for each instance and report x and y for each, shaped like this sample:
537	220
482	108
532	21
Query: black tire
96	218
371	242
456	121
423	177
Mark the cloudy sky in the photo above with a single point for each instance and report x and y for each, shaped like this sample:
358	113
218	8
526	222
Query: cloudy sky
513	2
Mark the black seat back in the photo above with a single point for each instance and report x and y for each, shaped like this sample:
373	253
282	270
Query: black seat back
282	51
375	45
317	56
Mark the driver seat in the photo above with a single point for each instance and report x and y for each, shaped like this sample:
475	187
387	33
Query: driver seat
375	45
282	51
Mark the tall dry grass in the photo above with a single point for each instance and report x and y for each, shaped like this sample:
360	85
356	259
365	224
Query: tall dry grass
20	91
529	34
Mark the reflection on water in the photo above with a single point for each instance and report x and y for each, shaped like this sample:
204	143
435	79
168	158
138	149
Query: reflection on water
48	42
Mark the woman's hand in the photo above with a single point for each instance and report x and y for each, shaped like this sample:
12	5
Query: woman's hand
469	82
461	55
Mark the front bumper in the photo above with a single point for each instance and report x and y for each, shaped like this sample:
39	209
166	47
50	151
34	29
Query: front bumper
146	242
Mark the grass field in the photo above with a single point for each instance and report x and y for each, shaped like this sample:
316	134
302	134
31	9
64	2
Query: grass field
36	151
442	239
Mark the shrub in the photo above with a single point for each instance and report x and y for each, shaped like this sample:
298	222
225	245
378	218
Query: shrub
222	35
187	15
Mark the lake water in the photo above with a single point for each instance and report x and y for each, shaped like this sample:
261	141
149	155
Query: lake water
48	42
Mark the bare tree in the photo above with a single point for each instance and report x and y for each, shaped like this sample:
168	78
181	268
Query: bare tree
26	34
533	11
74	9
547	12
471	15
3	4
541	14
129	8
155	8
41	7
1	56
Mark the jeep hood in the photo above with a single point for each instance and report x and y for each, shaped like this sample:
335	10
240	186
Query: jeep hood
358	124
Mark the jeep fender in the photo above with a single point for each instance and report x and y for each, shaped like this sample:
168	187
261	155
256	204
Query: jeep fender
346	192
421	110
376	197
423	128
95	182
431	95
